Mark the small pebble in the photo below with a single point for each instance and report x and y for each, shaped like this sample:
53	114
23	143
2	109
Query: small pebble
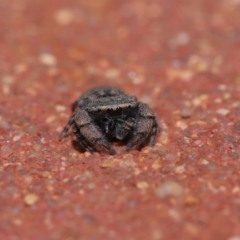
156	165
60	108
170	157
218	100
236	189
234	238
192	229
48	59
141	159
181	125
175	73
169	189
91	186
198	63
27	179
87	154
186	112
21	68
156	234
112	73
204	162
29	128
227	95
136	78
50	119
223	111
46	174
64	16
179	169
5	152
127	161
198	143
107	163
222	87
142	185
174	215
200	100
17	138
7	79
31	199
182	38
190	201
236	127
17	221
4	124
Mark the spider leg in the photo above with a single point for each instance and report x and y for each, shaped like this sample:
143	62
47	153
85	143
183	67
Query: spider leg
74	105
145	127
81	141
153	134
64	132
92	135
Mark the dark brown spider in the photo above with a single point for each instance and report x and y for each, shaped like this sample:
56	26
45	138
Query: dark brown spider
106	114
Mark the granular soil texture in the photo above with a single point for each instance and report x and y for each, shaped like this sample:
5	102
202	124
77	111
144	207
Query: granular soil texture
181	58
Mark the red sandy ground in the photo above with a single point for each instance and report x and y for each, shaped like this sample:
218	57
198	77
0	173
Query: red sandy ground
182	58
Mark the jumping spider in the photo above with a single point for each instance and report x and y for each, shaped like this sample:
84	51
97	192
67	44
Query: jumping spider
106	114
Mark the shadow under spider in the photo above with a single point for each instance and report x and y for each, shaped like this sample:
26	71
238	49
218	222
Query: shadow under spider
122	143
77	147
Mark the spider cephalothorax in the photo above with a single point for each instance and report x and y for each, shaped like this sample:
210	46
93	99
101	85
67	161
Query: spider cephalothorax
103	115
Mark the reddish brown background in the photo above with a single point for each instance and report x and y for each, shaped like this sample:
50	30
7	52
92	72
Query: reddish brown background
182	58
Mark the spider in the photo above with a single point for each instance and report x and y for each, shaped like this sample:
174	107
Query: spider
103	115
